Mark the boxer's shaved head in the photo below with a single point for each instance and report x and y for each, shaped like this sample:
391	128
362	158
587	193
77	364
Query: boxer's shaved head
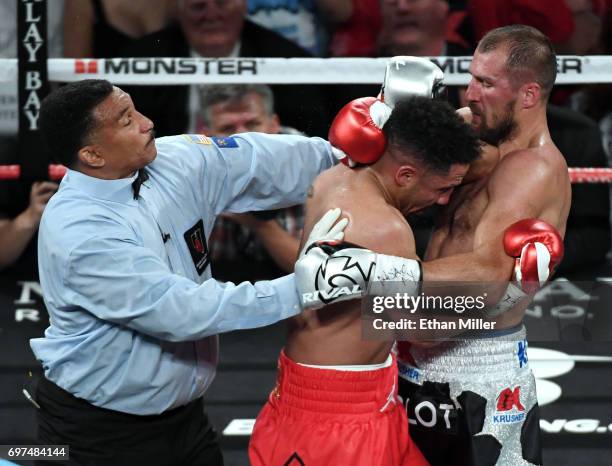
530	55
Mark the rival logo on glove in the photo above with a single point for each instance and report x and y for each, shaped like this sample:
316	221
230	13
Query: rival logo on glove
340	275
331	295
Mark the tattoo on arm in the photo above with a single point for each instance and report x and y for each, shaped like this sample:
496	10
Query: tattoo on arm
310	191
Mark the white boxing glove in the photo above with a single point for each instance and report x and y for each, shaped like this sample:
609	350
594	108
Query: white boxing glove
334	271
326	229
409	76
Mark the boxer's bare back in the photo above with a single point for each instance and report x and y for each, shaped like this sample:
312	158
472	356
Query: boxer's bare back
332	335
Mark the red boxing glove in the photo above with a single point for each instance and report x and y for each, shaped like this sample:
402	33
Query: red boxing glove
538	249
357	131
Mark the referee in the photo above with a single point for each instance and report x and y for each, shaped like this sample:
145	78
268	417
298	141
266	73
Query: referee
124	267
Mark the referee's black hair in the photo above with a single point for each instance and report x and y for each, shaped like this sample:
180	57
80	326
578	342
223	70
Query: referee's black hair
431	131
66	117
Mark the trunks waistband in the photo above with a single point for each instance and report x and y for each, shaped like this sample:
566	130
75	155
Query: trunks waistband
356	368
456	359
323	391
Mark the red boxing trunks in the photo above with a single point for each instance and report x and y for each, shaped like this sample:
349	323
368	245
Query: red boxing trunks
318	417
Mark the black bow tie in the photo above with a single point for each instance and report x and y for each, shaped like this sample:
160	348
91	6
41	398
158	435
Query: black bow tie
143	175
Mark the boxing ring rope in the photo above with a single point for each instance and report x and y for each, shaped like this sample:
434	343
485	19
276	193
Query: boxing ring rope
577	175
13	172
590	175
588	69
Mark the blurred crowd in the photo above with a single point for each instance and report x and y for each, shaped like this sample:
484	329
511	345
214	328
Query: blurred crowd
264	244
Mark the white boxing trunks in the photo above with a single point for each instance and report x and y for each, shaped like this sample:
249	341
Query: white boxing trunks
472	402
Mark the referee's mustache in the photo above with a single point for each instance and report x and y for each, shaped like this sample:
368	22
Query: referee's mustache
152	134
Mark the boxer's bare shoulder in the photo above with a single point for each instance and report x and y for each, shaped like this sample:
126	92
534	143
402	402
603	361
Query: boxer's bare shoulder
534	181
543	165
373	221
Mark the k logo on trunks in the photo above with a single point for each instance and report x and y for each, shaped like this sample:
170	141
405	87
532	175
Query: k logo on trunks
510	398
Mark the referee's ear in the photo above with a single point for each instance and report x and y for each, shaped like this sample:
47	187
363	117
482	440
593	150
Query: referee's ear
90	157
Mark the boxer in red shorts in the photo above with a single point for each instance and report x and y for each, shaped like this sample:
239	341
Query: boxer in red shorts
335	401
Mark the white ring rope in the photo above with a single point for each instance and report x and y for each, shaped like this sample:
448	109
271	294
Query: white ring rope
190	70
573	357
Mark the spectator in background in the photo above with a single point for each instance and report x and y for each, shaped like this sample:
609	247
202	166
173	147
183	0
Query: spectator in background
19	222
415	28
304	22
216	29
359	35
594	100
573	26
105	28
230	109
587	18
252	246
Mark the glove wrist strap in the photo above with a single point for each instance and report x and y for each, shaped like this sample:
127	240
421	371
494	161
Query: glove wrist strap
395	274
513	295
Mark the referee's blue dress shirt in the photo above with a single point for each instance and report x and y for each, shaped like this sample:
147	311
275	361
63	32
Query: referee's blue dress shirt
133	310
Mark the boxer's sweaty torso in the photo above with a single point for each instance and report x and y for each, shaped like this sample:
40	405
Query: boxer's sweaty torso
456	227
332	335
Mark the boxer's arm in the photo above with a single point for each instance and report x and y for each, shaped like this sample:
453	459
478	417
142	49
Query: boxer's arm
520	188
